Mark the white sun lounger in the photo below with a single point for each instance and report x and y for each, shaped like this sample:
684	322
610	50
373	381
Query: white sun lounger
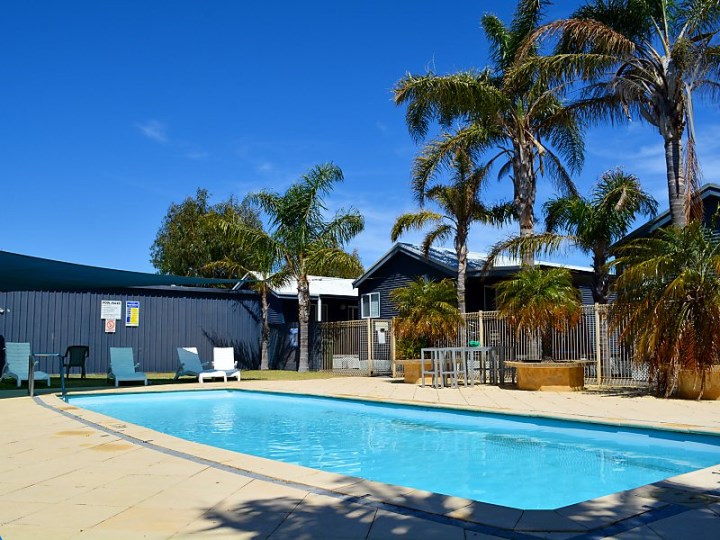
123	366
190	364
224	360
17	356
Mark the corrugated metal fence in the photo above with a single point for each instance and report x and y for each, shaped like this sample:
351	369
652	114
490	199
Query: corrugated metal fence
51	321
345	346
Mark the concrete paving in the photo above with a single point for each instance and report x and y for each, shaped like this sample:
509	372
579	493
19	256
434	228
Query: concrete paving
70	473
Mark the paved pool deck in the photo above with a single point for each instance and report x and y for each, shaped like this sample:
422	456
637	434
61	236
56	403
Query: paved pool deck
70	473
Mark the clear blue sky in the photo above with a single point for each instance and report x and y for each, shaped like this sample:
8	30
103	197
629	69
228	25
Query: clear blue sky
111	111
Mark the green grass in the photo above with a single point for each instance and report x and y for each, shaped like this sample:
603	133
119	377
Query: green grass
97	380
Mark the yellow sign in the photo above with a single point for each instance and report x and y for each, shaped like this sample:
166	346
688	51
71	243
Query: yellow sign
132	313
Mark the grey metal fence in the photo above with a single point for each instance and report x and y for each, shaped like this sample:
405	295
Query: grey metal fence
357	347
367	347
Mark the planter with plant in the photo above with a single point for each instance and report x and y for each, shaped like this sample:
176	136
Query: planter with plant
539	302
668	309
427	317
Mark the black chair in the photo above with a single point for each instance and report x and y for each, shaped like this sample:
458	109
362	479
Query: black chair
75	356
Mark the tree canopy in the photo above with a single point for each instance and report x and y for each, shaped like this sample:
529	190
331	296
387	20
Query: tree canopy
189	239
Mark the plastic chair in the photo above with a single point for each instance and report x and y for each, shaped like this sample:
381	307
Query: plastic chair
76	356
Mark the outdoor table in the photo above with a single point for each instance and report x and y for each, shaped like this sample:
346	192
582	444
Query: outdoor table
454	361
50	356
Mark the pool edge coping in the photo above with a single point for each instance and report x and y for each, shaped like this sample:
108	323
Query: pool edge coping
580	518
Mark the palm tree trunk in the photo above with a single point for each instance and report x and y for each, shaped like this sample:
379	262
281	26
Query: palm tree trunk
524	200
601	279
264	359
461	250
303	316
676	179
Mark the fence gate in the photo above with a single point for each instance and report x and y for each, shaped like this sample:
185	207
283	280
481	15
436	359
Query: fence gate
356	347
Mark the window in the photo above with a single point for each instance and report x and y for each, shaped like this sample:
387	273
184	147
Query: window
370	306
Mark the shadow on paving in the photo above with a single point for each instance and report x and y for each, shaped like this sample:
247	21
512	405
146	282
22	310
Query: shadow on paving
315	517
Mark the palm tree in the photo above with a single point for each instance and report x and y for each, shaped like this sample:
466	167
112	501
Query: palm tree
668	302
427	312
305	240
537	300
646	58
591	225
263	261
460	207
514	114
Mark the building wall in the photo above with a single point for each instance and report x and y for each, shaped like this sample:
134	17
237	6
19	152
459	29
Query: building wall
51	321
401	269
397	272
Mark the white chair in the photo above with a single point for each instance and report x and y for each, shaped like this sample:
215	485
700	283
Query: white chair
224	360
17	356
190	364
123	366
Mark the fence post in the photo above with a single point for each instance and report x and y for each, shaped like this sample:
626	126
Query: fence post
598	350
371	346
481	329
392	348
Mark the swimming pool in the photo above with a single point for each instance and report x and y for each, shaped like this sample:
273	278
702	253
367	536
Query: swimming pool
526	463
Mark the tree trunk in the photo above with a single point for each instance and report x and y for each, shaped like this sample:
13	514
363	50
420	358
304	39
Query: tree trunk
601	279
303	315
264	358
546	349
461	250
524	200
677	194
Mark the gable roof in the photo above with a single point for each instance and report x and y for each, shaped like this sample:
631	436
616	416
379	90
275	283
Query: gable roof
663	220
26	273
445	260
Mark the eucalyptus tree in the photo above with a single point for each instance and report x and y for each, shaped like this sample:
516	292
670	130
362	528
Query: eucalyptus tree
511	114
305	240
188	239
645	59
590	224
460	207
668	302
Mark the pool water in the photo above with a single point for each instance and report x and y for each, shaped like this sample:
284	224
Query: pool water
526	463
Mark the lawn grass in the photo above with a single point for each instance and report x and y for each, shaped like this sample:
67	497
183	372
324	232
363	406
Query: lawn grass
9	386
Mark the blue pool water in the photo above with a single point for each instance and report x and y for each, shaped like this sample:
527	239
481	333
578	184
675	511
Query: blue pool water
514	461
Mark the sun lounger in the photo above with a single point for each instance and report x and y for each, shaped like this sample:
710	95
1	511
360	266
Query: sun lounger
190	364
123	367
17	356
224	360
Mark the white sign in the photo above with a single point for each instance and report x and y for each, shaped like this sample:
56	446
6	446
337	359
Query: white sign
111	310
110	326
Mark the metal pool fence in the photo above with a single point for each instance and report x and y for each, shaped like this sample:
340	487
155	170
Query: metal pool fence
367	347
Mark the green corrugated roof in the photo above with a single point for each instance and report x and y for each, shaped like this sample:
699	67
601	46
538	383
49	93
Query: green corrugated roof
25	273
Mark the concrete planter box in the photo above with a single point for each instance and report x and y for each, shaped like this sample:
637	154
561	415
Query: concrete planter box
689	384
549	376
413	371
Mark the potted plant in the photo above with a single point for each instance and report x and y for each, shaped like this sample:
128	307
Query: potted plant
668	309
427	316
539	301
